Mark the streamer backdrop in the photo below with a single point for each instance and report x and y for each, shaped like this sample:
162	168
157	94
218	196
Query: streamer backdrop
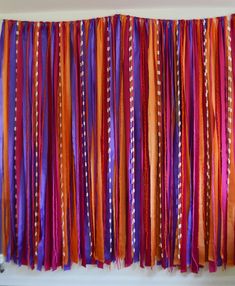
117	142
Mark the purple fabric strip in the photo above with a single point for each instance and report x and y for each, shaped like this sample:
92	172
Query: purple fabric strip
175	167
22	193
78	171
25	133
131	176
44	119
55	246
191	130
84	58
179	58
107	215
110	181
116	99
29	153
25	121
172	96
11	102
137	108
112	145
168	136
75	116
91	60
56	241
91	72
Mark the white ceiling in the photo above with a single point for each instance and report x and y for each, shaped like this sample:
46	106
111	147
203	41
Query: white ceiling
25	6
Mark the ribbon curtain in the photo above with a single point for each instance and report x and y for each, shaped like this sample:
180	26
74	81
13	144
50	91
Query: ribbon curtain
117	142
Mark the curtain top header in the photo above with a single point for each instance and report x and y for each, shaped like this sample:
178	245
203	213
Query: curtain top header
121	17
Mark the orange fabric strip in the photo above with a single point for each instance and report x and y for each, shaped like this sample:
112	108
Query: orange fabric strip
70	162
122	161
99	243
201	243
214	145
6	186
152	138
66	127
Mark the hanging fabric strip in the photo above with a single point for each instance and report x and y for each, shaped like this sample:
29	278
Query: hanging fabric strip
117	143
1	148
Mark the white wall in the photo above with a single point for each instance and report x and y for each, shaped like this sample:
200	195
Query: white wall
14	275
133	276
167	13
